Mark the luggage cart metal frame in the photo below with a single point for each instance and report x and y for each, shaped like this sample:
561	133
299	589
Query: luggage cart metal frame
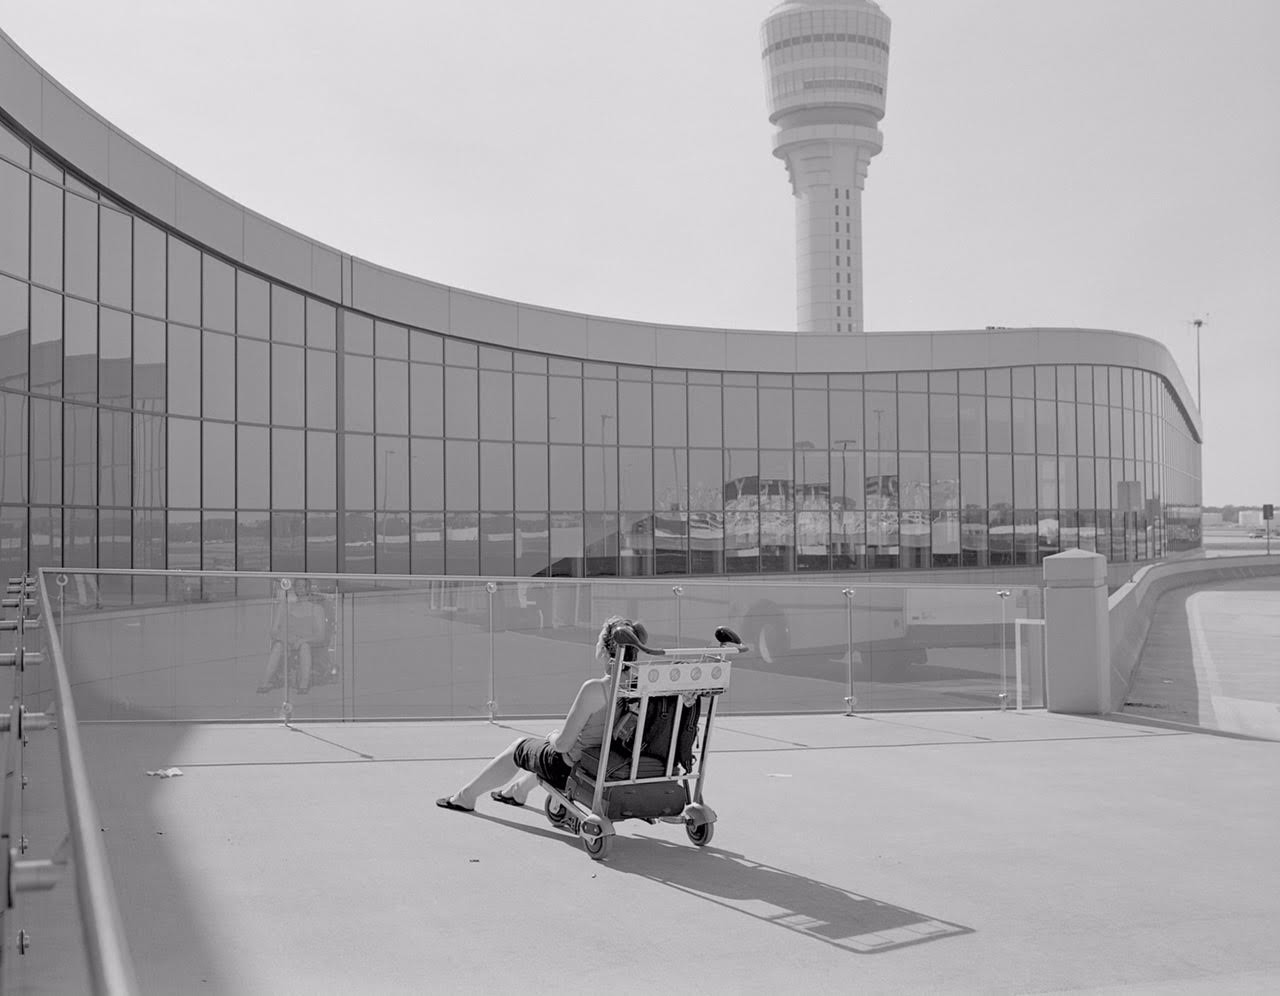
699	672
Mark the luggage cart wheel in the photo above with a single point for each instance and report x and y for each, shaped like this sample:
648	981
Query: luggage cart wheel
556	812
700	833
598	847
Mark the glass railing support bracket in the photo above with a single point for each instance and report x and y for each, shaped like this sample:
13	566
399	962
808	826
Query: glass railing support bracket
20	658
27	721
35	875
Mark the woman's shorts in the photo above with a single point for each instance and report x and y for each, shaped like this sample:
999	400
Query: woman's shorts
537	755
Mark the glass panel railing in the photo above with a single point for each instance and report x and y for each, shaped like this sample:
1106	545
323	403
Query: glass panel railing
798	635
181	646
198	648
415	648
544	641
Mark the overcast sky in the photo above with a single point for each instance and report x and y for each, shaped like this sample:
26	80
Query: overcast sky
1101	163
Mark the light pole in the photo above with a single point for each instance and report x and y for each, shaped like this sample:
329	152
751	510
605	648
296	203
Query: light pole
882	519
804	446
386	456
1198	322
1003	595
604	487
844	445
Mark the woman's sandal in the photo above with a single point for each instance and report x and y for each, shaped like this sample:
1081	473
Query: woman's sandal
447	803
506	800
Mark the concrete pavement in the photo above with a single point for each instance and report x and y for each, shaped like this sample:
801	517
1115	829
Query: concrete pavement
915	852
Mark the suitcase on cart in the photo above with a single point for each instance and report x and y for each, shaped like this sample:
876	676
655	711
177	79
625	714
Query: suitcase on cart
620	802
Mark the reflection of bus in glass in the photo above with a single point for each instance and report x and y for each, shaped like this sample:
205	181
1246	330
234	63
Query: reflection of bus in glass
769	494
782	529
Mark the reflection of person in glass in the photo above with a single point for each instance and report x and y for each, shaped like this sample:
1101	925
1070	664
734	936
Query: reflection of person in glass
297	625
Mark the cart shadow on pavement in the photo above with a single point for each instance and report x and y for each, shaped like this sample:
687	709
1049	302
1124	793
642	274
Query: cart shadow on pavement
827	913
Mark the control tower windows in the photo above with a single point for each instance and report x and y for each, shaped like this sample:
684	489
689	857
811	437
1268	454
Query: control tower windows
838	36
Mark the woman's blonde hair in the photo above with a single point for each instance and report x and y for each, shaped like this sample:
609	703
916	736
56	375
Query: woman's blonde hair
606	648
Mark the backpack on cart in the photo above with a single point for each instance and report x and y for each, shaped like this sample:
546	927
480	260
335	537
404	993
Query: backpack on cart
659	728
651	799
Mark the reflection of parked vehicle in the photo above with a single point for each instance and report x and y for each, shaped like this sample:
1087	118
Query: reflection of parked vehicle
893	629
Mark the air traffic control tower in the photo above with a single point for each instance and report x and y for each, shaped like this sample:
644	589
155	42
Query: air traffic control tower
826	64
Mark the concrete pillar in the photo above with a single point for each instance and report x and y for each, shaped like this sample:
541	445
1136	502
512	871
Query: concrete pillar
1077	633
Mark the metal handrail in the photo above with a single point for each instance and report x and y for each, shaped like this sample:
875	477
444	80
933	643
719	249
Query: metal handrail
8	815
110	963
717	580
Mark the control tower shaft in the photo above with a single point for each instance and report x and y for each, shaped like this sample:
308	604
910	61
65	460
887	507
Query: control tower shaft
826	65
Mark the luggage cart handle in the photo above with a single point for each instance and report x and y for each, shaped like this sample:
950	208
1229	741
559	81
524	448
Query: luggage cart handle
729	641
625	636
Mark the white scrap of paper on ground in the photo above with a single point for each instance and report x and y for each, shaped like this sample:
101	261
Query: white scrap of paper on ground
166	772
772	775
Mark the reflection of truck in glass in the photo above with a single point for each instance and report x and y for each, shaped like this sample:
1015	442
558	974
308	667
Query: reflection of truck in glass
894	629
794	629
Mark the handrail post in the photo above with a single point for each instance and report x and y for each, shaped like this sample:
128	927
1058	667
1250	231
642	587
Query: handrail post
1003	594
286	584
339	641
62	602
492	704
677	591
850	700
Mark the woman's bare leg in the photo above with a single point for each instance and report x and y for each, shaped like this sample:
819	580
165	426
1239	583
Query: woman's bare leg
304	667
521	787
525	781
274	659
495	774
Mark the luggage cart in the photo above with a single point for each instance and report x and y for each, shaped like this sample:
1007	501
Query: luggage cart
635	784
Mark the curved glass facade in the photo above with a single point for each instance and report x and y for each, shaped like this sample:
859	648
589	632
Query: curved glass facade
162	407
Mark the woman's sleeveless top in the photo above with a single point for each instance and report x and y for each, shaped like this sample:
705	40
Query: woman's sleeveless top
590	737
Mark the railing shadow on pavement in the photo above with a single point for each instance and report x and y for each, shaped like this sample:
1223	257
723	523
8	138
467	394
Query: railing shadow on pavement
826	913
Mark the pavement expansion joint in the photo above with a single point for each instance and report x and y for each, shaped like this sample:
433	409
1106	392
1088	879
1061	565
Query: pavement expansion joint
929	729
760	736
333	743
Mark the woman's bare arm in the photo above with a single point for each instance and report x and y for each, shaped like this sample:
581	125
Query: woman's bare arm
589	700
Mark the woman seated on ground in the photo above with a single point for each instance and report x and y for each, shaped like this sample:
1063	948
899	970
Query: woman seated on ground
550	758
